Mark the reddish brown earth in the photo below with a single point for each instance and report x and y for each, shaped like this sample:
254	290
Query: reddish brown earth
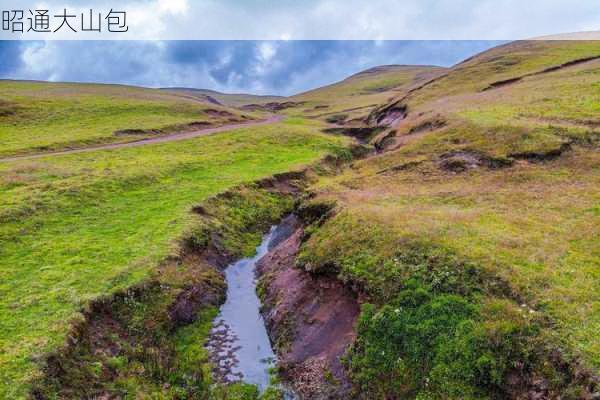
310	320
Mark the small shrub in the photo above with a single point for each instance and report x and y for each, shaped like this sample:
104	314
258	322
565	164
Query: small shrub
429	345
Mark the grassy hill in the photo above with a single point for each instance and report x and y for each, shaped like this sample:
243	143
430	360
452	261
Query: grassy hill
351	98
486	196
81	226
228	99
37	117
357	95
469	234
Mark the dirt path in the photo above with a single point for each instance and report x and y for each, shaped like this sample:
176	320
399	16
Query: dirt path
162	139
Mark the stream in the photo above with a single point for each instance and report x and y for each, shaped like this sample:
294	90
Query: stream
239	346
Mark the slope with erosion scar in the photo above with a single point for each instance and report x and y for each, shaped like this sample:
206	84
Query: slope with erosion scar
552	95
354	97
471	241
485	203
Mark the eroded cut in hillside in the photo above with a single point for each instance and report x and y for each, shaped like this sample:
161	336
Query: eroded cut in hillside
311	320
238	345
458	261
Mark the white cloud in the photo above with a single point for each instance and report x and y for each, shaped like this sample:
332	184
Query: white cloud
346	19
38	61
152	19
266	51
257	67
174	7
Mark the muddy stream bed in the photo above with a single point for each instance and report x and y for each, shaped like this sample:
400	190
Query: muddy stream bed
239	346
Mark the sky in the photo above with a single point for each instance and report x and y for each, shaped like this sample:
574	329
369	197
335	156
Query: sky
260	67
330	19
274	46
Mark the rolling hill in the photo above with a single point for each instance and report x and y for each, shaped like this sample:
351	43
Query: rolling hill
490	168
450	253
358	94
37	117
228	99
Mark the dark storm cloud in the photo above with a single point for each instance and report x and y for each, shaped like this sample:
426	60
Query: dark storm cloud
278	67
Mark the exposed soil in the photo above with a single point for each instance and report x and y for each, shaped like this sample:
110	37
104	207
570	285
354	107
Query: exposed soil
568	64
505	82
462	161
390	140
385	141
542	156
377	112
311	321
291	182
218	113
162	139
510	81
135	324
137	132
362	134
337	119
272	107
183	311
8	108
107	331
428	126
211	99
390	115
179	128
200	124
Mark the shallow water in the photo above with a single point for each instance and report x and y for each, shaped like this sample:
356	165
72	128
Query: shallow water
239	344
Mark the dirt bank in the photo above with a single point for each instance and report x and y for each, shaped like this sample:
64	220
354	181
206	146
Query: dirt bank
310	320
147	340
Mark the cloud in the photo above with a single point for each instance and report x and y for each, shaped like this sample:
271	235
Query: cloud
264	67
339	19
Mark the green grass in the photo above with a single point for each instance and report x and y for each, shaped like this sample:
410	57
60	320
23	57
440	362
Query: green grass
512	249
359	93
78	226
36	117
564	104
229	99
513	60
529	224
533	227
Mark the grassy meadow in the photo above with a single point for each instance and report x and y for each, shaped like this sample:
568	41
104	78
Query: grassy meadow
471	234
227	99
37	117
74	227
485	207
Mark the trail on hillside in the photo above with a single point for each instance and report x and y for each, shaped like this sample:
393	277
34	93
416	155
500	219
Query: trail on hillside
162	139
